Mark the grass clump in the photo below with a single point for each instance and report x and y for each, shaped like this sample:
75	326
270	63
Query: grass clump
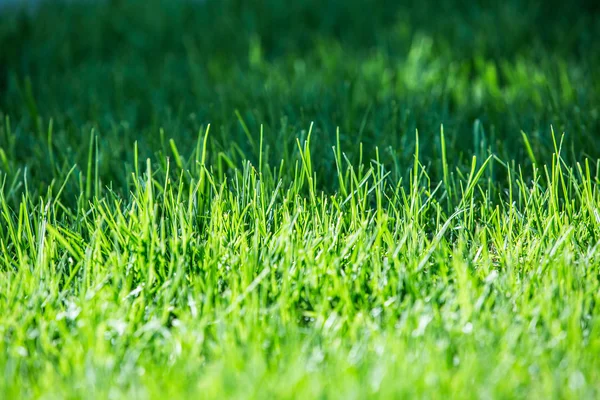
210	200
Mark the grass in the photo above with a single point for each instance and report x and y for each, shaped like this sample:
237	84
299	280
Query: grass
258	200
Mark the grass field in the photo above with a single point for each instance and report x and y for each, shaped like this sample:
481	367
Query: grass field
313	199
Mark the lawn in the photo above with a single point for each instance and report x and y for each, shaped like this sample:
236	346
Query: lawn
307	199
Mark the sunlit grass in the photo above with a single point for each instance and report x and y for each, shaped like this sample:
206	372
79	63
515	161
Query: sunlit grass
285	215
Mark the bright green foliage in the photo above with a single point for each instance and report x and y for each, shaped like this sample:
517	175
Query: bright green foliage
271	200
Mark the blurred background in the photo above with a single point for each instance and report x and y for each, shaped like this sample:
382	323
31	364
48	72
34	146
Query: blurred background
378	70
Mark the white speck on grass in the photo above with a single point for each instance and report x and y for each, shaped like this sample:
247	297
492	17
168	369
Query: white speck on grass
330	322
376	378
22	351
118	325
491	277
468	328
316	357
135	292
576	380
192	306
423	322
70	313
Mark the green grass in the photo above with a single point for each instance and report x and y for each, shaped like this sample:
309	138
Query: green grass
239	199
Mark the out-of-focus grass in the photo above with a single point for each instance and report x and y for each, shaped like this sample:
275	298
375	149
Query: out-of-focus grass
310	242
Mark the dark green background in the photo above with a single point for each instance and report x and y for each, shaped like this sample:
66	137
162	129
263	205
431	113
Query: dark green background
378	70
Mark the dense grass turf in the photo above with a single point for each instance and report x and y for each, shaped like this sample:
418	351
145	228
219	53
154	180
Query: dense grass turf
391	199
